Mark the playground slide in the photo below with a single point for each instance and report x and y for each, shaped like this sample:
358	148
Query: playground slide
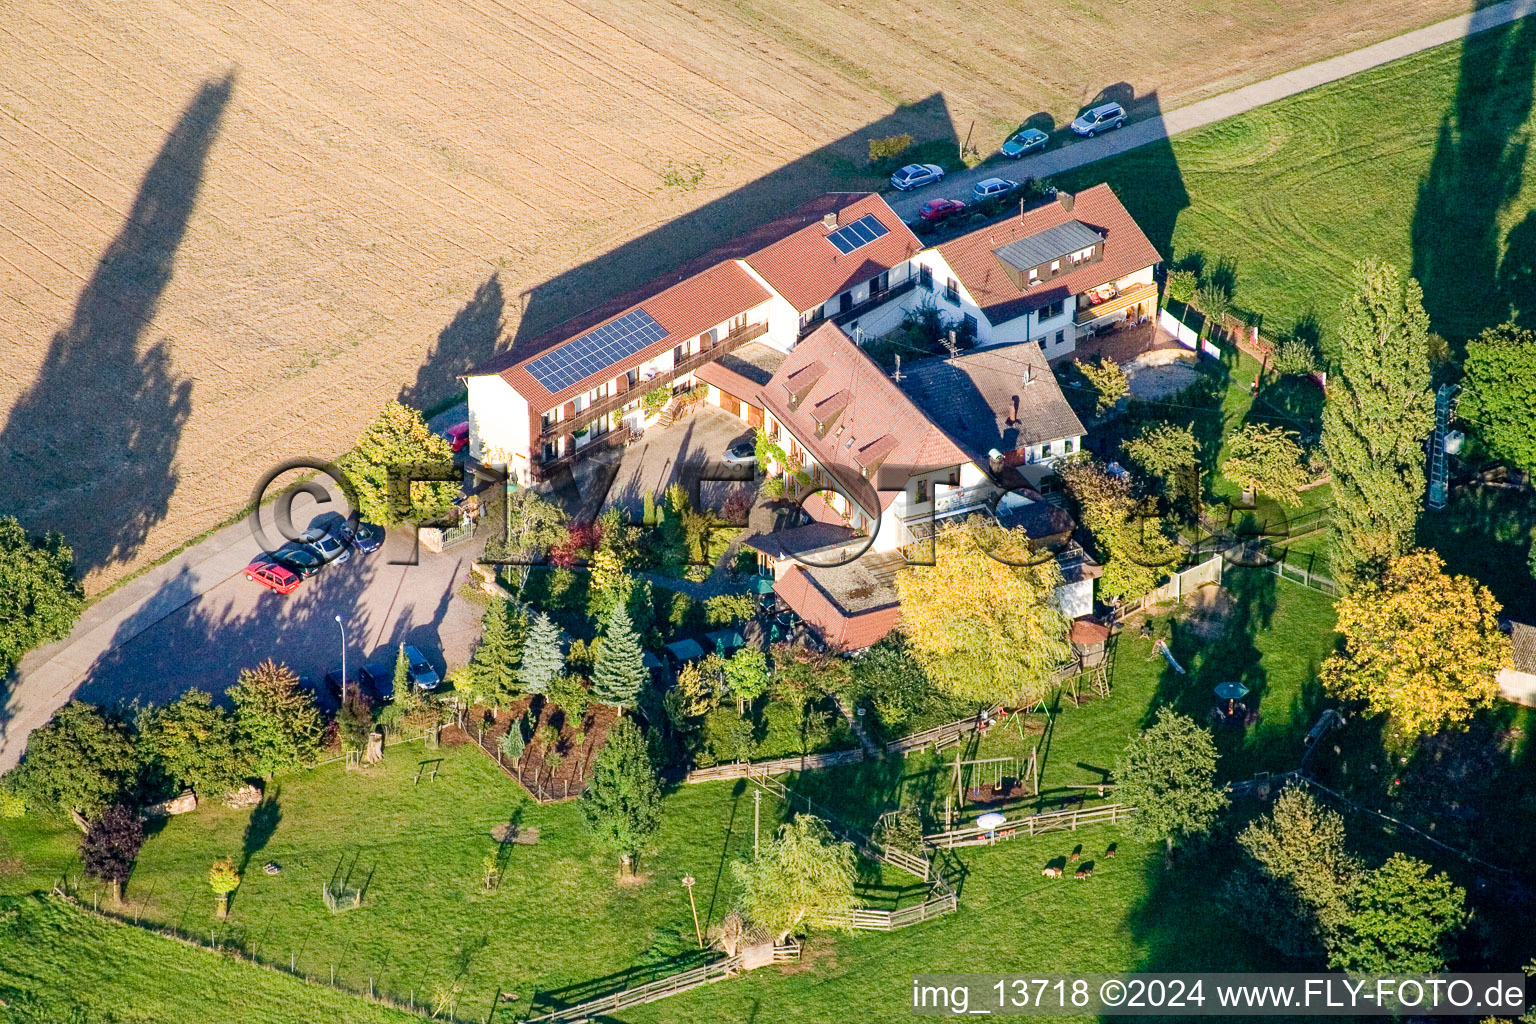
1163	647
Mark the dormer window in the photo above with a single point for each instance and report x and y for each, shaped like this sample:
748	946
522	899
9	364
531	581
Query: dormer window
1055	267
1034	276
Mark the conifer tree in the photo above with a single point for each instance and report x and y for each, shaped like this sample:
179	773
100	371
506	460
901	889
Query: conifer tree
619	670
542	657
494	666
1378	412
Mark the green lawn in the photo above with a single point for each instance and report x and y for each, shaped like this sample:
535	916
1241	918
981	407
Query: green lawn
558	918
59	964
1423	162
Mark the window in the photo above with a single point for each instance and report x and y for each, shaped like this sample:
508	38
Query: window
1067	446
549	450
1061	336
922	492
1055	267
631	379
1052	311
549	419
925	277
678	352
968	326
952	290
880	283
1045	450
1034	275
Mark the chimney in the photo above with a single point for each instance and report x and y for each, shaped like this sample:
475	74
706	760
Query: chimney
1066	199
829	220
1013	417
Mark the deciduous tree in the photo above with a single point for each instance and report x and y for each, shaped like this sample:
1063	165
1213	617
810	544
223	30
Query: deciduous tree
1163	449
1376	416
1402	920
1107	380
1498	393
746	675
40	599
1420	645
1168	774
1131	540
618	671
110	846
622	801
980	619
395	446
803	877
1305	874
1267	460
543	658
195	744
278	721
533	526
83	760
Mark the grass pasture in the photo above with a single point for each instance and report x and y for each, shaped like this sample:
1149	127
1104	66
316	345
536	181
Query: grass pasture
1422	162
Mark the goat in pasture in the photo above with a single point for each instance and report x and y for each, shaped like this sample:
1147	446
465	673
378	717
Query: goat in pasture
1082	873
1051	872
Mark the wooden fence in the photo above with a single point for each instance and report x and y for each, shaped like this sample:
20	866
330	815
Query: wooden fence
531	783
939	737
865	919
648	993
1032	825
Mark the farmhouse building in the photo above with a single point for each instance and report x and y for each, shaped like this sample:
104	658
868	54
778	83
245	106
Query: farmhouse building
1060	270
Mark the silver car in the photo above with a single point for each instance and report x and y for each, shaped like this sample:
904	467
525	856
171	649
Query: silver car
327	544
916	175
1101	118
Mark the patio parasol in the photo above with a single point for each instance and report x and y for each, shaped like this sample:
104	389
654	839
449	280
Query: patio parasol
991	819
1230	692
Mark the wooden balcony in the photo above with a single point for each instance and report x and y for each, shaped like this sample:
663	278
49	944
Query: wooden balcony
1124	299
608	403
858	309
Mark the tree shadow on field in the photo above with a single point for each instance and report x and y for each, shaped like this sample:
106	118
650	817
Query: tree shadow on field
1474	272
734	225
90	448
471	334
1146	179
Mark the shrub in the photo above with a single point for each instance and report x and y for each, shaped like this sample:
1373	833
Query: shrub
655	400
513	743
1181	285
888	147
1294	359
567	693
725	609
727	735
1107	379
736	506
12	805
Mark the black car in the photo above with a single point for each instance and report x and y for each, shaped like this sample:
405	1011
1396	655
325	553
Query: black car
368	538
333	685
421	673
299	559
324	699
379	680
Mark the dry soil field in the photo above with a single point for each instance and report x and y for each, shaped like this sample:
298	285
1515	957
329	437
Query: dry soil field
229	230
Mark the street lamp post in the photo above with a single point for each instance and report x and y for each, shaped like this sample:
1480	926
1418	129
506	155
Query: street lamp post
688	884
343	658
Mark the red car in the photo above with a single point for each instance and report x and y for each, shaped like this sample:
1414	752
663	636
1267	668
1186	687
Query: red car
272	576
935	210
458	435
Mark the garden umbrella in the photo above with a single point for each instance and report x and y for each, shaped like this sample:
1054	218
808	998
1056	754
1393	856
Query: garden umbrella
764	584
1230	692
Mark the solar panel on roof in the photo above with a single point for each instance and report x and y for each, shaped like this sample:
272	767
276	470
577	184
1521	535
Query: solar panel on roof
599	348
861	232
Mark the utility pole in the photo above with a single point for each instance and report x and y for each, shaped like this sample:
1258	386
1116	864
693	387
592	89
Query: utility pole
697	931
757	811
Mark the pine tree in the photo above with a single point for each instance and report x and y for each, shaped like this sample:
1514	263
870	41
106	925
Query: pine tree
619	670
1378	412
542	657
622	803
494	666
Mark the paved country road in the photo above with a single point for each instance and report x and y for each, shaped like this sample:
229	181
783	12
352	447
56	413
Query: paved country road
197	621
1070	155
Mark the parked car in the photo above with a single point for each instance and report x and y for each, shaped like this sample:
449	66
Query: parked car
324	700
1101	118
273	576
422	675
368	538
333	685
741	453
458	435
992	188
330	543
1030	140
935	210
917	175
378	680
300	559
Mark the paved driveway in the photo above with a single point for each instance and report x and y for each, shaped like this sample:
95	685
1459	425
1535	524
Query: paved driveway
684	452
197	621
1072	153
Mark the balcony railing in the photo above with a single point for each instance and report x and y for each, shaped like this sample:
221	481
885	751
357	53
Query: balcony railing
542	468
955	501
858	309
1122	299
603	406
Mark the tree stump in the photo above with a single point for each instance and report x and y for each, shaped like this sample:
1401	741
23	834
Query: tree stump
375	752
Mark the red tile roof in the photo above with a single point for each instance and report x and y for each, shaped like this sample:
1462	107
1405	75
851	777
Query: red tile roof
839	628
808	270
686	310
973	256
875	409
790	252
